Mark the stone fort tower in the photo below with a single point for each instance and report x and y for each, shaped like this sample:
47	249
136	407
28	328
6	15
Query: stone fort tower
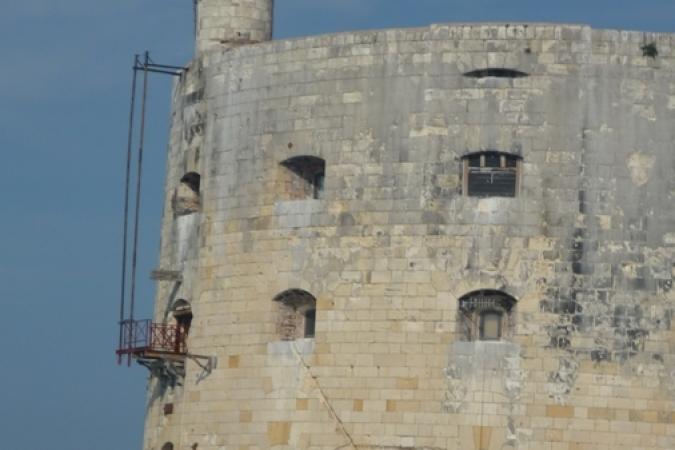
453	237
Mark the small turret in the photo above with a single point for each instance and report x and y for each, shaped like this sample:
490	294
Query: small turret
230	23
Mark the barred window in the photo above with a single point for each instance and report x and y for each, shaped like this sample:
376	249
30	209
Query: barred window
491	174
486	315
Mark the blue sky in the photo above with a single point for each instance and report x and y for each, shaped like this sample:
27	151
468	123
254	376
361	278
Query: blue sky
64	85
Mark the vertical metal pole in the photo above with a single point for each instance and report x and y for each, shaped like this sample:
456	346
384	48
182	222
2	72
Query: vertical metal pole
138	196
125	238
194	16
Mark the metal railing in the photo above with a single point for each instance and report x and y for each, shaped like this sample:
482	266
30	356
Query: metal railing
142	336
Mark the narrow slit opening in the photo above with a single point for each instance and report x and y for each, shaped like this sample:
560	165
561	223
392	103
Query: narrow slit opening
496	72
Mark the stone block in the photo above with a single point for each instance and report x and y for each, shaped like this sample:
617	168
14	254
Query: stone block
558	411
278	433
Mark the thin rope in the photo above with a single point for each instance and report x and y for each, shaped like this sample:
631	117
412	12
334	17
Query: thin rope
482	405
125	232
138	193
482	393
324	400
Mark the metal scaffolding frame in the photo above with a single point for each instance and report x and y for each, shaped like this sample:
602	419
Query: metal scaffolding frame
144	66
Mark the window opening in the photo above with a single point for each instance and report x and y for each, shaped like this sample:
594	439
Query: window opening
303	177
187	198
167	446
318	185
492	160
296	314
486	315
192	180
497	72
474	160
310	323
182	315
650	50
490	326
491	174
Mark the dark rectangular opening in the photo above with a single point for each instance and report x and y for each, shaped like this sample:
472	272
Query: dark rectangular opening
490	326
492	160
497	72
492	183
318	185
310	323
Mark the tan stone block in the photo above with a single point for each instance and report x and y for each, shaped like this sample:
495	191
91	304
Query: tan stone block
642	416
580	412
374	405
658	429
245	416
602	425
481	437
380	277
342	290
278	433
233	361
619	414
302	404
559	411
554	435
412	406
326	303
578	424
599	413
650	416
304	441
535	410
407	383
391	405
358	405
323	350
194	396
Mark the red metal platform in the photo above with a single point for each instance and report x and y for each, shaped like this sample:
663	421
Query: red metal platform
147	339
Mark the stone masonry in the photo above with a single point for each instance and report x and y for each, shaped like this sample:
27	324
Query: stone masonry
225	24
586	247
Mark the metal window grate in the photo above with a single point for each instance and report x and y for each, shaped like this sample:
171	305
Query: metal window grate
491	174
485	302
492	182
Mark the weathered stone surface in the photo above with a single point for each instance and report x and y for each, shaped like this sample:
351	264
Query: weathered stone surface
225	24
586	247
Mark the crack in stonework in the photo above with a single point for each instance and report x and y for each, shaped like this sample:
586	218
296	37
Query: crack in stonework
324	399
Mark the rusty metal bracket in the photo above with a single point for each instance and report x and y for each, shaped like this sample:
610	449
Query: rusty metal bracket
206	363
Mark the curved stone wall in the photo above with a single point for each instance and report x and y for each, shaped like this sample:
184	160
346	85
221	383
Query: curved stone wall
224	24
586	247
